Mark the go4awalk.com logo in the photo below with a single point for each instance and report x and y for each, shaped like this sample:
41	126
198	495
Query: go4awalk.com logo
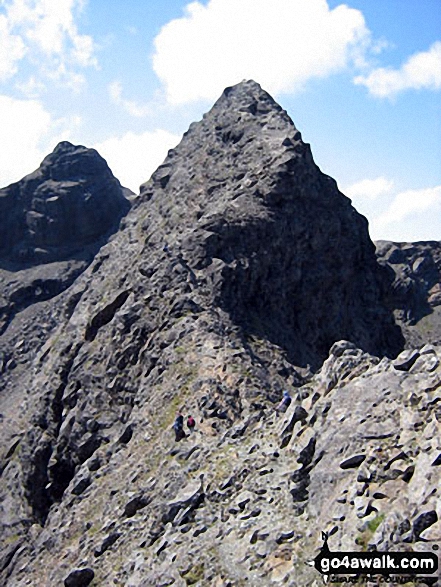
374	562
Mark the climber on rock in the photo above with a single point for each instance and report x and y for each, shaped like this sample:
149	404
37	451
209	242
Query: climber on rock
191	423
178	427
285	403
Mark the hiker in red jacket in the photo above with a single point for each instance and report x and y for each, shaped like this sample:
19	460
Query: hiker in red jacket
191	423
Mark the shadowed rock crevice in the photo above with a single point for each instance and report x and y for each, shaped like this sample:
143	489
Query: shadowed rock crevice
43	484
105	315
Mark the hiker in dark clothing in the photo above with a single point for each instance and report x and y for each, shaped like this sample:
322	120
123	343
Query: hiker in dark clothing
285	403
178	427
191	423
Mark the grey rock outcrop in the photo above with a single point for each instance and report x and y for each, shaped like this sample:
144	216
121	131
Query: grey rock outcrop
236	274
415	295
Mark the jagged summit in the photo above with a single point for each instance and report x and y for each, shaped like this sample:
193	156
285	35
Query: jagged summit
244	122
253	107
246	96
75	163
65	146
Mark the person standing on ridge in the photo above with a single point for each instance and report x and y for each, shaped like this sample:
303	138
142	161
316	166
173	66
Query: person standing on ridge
178	427
285	403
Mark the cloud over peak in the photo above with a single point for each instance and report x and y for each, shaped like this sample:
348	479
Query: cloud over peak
30	132
280	43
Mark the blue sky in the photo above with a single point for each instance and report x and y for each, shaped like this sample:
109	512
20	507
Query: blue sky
361	80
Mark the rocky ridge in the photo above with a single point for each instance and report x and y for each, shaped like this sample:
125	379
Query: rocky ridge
234	276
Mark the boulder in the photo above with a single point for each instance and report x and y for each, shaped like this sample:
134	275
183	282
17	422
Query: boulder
79	578
406	359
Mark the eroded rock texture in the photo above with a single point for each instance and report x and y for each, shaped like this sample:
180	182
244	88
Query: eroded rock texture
415	296
233	277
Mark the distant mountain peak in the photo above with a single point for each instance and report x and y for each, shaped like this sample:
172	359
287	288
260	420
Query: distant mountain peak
70	201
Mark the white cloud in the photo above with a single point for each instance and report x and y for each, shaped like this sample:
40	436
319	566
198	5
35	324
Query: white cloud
83	49
71	79
30	133
421	71
369	188
31	88
130	106
280	43
410	203
404	216
44	33
12	50
134	157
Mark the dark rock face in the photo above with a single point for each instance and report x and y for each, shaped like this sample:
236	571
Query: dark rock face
71	200
52	224
415	295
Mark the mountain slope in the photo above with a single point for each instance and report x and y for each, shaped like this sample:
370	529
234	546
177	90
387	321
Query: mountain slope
237	268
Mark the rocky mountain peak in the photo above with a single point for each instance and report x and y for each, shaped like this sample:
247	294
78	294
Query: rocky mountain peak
66	146
69	202
244	129
52	223
250	110
246	96
242	199
74	162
